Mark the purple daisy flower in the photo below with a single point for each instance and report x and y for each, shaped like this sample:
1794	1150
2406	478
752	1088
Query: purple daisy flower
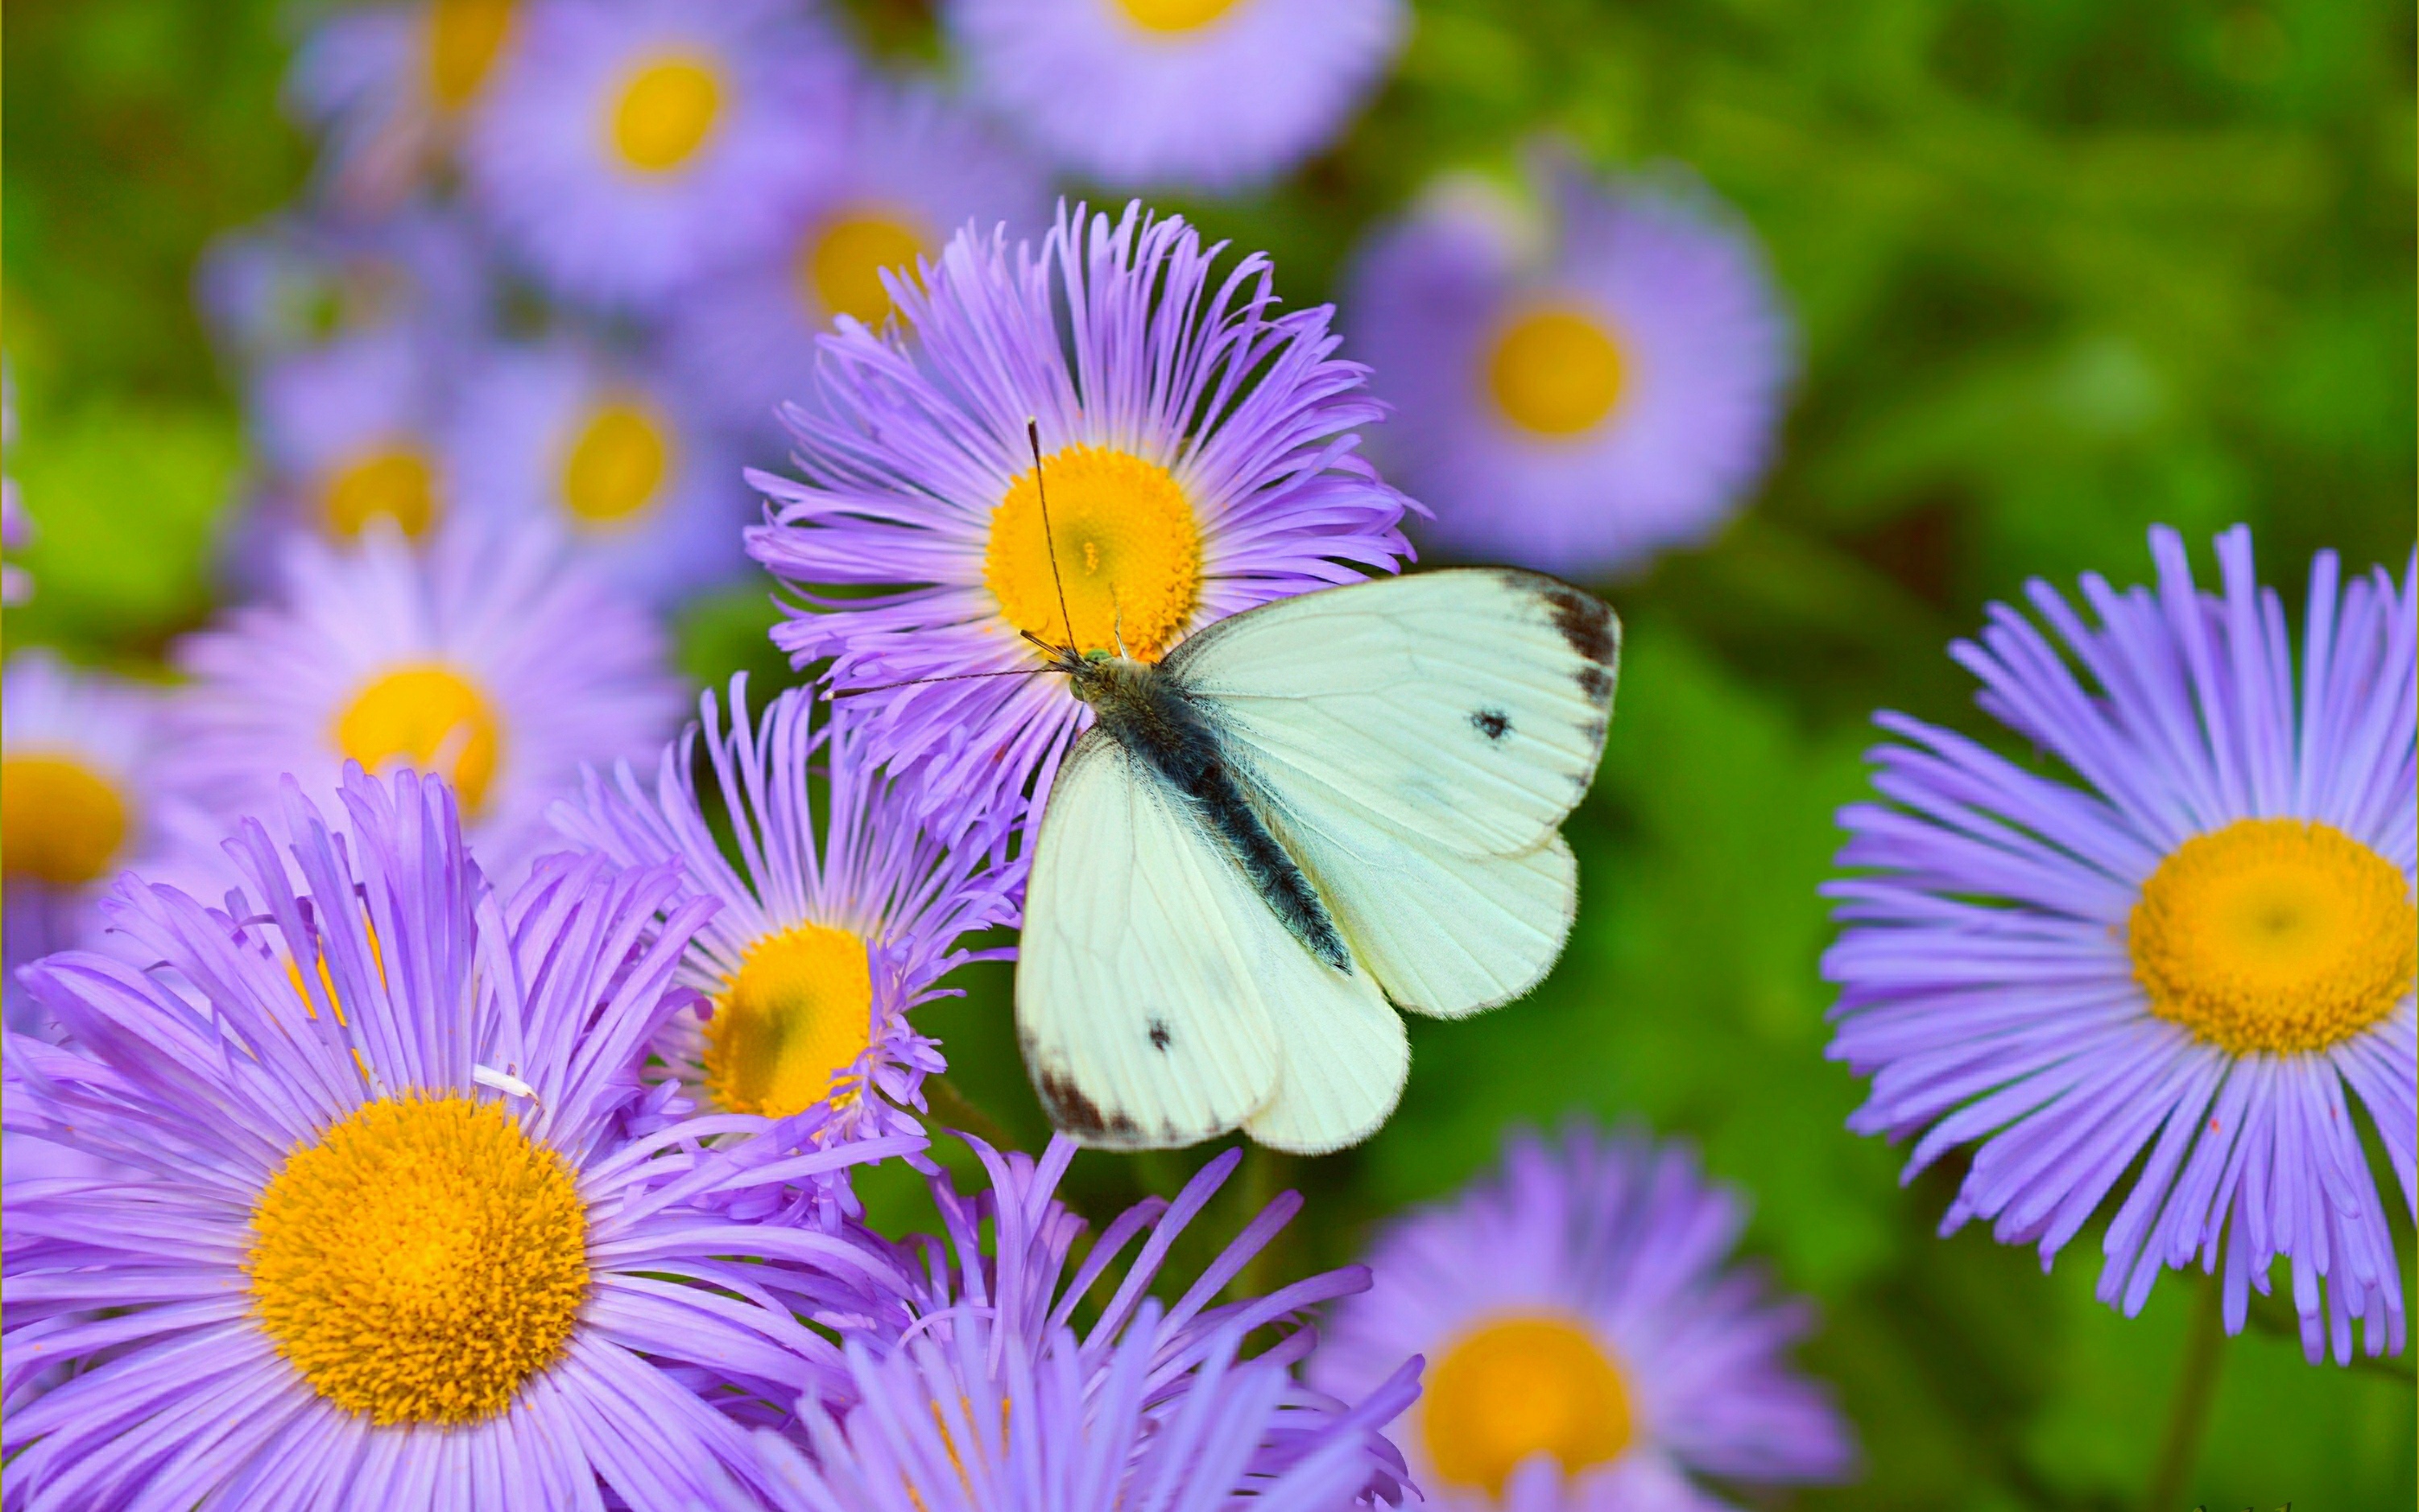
1207	94
2178	968
1581	394
991	1401
826	936
394	1062
77	786
349	433
916	170
391	85
631	146
1592	1345
492	661
619	461
1199	461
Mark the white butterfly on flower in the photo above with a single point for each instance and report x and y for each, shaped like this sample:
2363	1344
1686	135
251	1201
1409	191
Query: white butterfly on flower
1304	811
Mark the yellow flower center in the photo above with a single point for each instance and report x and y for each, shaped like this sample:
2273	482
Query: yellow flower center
393	481
1129	553
2274	934
1174	16
465	36
842	260
1555	371
421	1260
60	821
429	716
1520	1386
615	469
787	1029
666	111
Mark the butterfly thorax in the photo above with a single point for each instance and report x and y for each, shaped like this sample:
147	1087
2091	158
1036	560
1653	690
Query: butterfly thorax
1148	713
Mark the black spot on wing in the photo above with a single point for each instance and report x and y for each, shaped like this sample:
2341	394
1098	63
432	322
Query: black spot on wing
1597	684
1158	1034
1584	620
1076	1114
1492	723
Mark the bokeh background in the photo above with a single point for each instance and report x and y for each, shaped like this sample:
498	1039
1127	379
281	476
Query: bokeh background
2060	268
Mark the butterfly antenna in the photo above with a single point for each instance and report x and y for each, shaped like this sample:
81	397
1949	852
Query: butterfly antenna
1117	620
832	693
1049	542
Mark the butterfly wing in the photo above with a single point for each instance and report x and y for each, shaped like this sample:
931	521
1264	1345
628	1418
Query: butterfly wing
1159	1000
1416	742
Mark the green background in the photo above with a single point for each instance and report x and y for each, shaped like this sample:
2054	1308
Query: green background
2061	268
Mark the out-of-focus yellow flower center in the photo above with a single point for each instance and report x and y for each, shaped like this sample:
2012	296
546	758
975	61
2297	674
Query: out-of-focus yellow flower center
2274	934
787	1029
1129	552
421	1260
619	458
430	716
1556	371
394	482
465	38
841	259
665	110
1174	16
61	821
1519	1385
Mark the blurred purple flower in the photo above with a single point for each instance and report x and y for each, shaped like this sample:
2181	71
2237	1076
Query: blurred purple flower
1591	1345
2175	970
629	147
1577	395
1204	94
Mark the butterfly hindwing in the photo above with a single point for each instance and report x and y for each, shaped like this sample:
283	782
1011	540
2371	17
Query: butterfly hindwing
1151	977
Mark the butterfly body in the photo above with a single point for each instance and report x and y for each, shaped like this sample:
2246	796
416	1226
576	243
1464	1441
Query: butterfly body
1306	815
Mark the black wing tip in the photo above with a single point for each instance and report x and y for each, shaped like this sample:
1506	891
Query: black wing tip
1073	1112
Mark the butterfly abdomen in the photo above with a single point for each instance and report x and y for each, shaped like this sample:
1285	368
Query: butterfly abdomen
1148	714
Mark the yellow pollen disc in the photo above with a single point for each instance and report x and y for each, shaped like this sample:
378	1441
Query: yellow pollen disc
421	1260
1515	1386
464	38
2274	934
60	821
394	482
1174	16
1555	371
788	1028
615	468
429	716
842	260
665	112
1129	553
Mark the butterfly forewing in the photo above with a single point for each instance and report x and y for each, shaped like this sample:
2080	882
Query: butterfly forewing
1466	708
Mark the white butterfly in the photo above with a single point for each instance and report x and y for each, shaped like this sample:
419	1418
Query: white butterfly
1307	809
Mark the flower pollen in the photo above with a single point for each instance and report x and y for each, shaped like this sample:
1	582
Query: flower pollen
421	1260
430	716
664	113
1128	553
393	481
61	823
1515	1386
789	1027
840	261
614	469
1555	371
2275	936
1174	17
465	36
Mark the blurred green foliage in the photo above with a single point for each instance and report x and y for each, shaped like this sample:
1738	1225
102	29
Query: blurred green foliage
2062	268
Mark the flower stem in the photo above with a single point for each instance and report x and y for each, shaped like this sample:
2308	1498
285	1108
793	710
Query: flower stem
953	1109
2195	1388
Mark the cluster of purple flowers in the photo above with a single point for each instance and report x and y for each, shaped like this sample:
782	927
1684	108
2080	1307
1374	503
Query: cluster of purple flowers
440	1113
